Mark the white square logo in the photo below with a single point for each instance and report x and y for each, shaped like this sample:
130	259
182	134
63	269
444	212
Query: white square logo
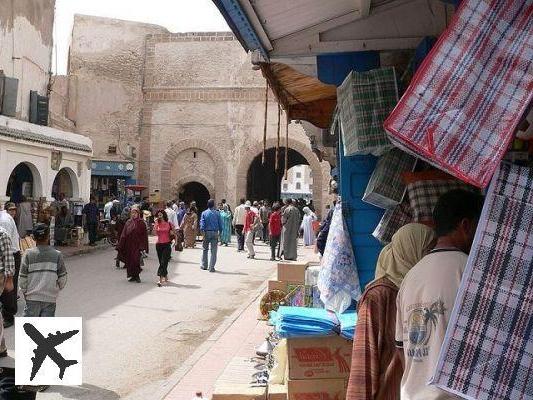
48	351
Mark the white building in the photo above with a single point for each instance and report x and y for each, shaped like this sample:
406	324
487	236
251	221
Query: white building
299	183
35	161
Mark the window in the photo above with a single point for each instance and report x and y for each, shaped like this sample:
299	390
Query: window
112	149
298	174
194	154
285	187
298	186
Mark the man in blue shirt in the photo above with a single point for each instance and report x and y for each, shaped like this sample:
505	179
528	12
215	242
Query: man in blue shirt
211	227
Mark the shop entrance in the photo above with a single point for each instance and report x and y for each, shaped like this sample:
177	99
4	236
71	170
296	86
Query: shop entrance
264	181
63	186
194	191
22	184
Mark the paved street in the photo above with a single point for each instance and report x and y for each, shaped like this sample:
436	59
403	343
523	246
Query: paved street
136	335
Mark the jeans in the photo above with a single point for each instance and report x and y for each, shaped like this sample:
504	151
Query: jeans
265	232
91	227
9	299
240	237
39	309
210	238
250	243
164	250
274	240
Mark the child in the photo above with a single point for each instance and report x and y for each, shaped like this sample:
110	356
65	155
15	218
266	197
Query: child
42	275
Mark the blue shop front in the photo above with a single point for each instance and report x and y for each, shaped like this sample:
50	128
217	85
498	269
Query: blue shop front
108	179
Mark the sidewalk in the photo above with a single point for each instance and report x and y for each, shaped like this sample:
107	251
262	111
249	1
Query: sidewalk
71	251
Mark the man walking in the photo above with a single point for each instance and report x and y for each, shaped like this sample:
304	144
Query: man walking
238	223
180	213
7	269
250	223
9	298
264	214
42	275
211	228
90	210
291	226
428	291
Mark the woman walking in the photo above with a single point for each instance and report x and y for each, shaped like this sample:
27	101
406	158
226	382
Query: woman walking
307	227
133	242
225	237
189	225
377	370
163	230
274	225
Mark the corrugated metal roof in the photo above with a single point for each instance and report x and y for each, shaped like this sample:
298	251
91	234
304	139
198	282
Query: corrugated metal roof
43	139
281	17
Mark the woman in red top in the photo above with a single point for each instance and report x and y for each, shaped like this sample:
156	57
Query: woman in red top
274	224
163	230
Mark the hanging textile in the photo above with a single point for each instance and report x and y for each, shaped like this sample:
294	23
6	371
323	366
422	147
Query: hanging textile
461	110
338	280
392	220
364	100
385	187
488	350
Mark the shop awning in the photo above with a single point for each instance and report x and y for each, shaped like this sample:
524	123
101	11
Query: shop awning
123	169
304	97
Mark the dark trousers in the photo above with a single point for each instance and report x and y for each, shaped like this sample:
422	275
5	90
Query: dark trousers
274	240
240	237
9	300
265	232
91	227
164	250
8	390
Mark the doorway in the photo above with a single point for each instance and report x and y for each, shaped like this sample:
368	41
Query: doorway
195	191
21	184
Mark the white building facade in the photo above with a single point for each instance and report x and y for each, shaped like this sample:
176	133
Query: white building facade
299	183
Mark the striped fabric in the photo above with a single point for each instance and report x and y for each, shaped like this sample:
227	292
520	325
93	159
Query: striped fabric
465	101
392	220
364	100
488	349
385	188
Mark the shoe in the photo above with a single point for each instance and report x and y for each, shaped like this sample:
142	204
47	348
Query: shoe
272	259
212	270
158	284
133	279
8	323
3	354
203	268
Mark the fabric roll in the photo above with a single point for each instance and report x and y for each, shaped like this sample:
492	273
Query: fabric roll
488	350
465	101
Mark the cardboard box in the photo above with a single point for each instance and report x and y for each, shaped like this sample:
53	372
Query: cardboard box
239	392
277	392
312	389
277	285
292	272
327	357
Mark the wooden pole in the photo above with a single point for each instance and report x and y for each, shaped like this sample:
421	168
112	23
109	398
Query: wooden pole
265	127
277	144
287	147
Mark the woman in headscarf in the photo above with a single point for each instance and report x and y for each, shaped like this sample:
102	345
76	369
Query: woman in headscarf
189	225
133	242
307	227
376	371
225	237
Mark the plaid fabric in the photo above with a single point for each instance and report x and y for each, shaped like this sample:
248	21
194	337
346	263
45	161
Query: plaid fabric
364	100
488	350
385	188
391	221
466	99
7	261
424	194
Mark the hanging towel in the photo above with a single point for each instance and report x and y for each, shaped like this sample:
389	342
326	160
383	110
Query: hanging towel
338	280
365	99
465	101
488	349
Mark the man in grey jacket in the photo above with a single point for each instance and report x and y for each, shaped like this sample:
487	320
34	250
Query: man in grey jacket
42	275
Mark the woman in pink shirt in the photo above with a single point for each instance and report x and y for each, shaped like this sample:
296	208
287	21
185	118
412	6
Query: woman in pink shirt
163	230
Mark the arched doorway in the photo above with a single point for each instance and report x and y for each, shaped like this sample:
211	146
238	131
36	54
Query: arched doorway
24	182
263	180
194	191
65	184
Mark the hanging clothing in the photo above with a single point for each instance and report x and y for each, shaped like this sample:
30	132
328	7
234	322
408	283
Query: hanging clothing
307	227
376	371
225	237
25	219
190	228
133	240
291	223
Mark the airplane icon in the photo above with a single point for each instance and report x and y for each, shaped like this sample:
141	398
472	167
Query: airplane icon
46	348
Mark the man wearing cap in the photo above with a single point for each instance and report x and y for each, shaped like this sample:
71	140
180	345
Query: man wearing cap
9	298
211	227
42	275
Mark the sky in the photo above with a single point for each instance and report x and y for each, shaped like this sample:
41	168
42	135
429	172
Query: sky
175	15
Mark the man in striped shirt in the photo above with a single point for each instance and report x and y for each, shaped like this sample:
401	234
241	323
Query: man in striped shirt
42	275
7	269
